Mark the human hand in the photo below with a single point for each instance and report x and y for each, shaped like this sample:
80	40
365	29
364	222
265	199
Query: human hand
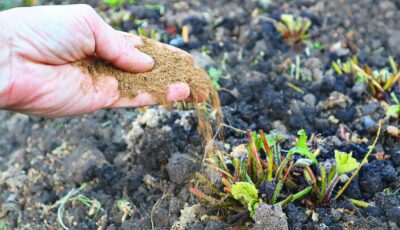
38	49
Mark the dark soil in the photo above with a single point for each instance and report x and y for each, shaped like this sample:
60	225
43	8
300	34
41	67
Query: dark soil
148	157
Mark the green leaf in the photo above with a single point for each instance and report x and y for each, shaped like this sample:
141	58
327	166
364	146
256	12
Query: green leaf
114	2
288	20
345	163
253	205
302	148
214	73
122	203
244	192
393	111
159	7
247	194
271	140
3	224
302	142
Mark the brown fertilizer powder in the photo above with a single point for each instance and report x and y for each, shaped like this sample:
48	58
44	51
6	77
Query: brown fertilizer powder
170	67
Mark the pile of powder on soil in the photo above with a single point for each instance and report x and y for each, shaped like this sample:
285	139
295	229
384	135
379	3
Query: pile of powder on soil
170	67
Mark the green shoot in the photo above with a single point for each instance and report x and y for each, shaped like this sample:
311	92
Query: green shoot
324	183
159	7
247	194
125	207
359	203
277	192
379	81
74	195
292	30
301	147
393	111
295	88
215	75
259	173
295	197
148	33
345	163
363	162
114	3
3	224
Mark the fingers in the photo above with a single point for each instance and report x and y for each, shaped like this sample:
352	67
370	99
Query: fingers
176	92
117	47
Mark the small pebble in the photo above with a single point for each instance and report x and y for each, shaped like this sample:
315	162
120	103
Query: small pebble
315	217
393	130
177	42
368	122
333	119
310	99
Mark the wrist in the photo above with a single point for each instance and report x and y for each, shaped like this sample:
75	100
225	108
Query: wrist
5	60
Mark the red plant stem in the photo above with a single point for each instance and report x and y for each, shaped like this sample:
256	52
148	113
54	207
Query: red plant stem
281	167
203	196
287	172
313	180
331	187
252	144
270	155
263	164
265	142
254	152
249	171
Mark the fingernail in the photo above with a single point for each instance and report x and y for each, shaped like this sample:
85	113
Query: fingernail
178	91
146	58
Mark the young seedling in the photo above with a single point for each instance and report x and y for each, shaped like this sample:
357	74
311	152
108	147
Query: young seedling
251	179
363	162
381	82
215	75
293	30
393	111
344	163
148	33
259	173
247	194
74	195
159	7
125	207
3	224
115	3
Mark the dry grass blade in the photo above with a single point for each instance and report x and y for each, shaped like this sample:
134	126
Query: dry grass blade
363	162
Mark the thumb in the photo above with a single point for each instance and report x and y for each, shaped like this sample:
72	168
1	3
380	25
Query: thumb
117	47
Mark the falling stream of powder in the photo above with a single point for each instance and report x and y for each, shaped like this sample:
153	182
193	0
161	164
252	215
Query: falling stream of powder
170	67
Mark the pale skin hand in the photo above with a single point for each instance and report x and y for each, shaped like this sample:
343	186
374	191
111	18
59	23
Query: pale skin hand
38	49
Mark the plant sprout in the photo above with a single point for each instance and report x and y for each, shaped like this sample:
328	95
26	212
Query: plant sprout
245	175
293	30
74	195
380	82
262	173
246	193
125	207
344	163
115	3
215	75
